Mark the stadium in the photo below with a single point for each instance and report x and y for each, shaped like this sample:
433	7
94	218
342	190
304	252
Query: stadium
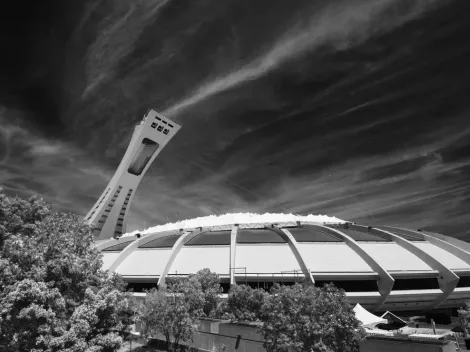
382	268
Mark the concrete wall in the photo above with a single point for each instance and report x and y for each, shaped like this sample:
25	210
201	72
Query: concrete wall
213	335
387	345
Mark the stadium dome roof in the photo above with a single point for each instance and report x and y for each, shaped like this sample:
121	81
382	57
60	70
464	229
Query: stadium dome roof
237	218
382	268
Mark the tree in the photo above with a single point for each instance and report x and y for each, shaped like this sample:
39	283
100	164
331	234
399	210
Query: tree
96	324
464	317
307	318
244	303
173	313
210	287
31	314
50	278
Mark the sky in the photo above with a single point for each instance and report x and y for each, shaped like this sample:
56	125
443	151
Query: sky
356	109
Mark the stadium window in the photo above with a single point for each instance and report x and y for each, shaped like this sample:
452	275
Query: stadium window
162	242
118	247
351	285
225	287
415	284
141	286
464	281
142	156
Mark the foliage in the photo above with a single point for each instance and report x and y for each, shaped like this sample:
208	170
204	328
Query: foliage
308	318
31	314
244	304
210	287
220	348
173	312
20	216
464	317
53	293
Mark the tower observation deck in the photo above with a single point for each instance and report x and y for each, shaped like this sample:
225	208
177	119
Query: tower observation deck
109	214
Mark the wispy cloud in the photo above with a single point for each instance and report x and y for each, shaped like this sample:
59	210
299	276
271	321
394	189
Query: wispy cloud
30	164
353	112
118	30
340	24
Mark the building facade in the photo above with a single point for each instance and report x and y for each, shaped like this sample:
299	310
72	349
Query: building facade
382	268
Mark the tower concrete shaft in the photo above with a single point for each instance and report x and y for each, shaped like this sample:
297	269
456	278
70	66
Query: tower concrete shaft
109	214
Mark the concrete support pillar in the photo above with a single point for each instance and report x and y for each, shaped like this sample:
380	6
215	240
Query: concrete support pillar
176	249
233	253
287	236
385	281
447	279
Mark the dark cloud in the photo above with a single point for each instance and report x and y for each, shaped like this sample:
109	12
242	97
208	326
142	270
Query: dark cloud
355	109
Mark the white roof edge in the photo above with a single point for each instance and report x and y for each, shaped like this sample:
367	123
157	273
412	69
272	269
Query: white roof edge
231	219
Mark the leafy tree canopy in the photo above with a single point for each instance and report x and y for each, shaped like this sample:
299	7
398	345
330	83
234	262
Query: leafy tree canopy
210	287
243	304
464	316
307	318
173	312
53	293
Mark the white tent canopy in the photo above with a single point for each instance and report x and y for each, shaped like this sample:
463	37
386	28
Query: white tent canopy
390	316
367	319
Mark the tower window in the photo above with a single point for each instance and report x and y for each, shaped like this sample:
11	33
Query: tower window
142	156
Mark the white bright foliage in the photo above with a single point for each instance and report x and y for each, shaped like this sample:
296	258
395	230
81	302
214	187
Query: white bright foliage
237	218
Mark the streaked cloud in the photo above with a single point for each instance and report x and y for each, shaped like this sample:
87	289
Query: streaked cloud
340	24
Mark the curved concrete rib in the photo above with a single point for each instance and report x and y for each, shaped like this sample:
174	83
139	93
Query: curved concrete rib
180	242
126	252
438	242
233	253
385	281
447	279
287	236
465	246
